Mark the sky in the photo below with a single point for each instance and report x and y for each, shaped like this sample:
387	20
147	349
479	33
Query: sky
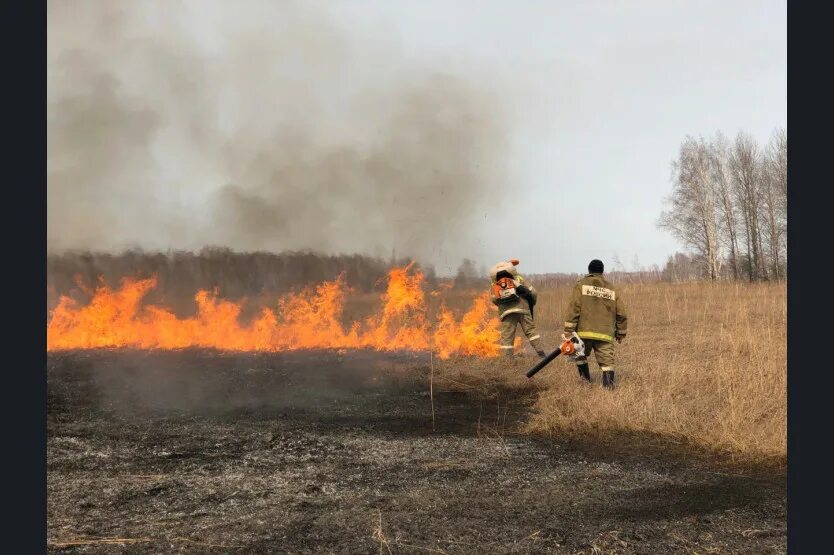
542	131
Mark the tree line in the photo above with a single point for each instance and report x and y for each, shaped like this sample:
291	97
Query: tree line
729	207
235	275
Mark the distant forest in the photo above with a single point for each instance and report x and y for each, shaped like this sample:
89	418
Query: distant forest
235	275
260	275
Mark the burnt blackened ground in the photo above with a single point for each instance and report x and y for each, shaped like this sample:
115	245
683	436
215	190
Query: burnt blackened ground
325	453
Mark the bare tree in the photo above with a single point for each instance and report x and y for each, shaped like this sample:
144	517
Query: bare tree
683	267
780	171
744	164
729	206
779	158
774	196
692	214
720	164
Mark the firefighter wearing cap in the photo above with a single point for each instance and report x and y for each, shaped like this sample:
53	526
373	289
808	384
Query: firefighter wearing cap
515	309
597	314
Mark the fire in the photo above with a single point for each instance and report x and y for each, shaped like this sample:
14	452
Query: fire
309	319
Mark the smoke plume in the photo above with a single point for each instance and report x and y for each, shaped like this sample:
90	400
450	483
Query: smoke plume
263	126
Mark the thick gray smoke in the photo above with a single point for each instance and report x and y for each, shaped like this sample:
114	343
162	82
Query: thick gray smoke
259	126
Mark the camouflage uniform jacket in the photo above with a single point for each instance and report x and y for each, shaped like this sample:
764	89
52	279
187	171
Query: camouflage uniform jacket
596	310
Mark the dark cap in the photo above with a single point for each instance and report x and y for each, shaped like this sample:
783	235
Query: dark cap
596	267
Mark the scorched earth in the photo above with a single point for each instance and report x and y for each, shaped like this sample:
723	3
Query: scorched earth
320	452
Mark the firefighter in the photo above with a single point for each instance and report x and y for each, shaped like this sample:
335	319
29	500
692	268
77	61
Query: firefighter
597	314
515	299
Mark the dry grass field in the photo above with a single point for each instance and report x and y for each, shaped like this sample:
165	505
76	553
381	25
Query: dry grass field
703	364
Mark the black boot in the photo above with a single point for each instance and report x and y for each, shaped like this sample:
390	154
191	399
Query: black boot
584	371
608	379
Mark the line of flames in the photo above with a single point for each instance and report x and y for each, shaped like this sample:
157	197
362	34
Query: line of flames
309	319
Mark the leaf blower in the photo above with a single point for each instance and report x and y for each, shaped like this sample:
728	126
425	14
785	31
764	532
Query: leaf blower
571	347
508	286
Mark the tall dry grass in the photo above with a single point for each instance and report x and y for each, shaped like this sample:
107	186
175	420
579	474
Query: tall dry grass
705	363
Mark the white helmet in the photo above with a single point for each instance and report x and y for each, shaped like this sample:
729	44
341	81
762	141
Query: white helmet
507	266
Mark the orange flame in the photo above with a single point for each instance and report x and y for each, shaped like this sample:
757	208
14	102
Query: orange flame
310	319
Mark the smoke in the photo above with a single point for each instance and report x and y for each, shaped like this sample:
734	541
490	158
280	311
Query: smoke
264	126
201	381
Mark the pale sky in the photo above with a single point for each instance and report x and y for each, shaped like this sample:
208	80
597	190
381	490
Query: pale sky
604	93
595	97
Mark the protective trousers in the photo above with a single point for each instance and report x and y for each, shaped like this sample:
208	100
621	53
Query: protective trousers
604	352
508	326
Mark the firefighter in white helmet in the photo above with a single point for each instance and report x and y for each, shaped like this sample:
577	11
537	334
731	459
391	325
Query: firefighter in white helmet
515	299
